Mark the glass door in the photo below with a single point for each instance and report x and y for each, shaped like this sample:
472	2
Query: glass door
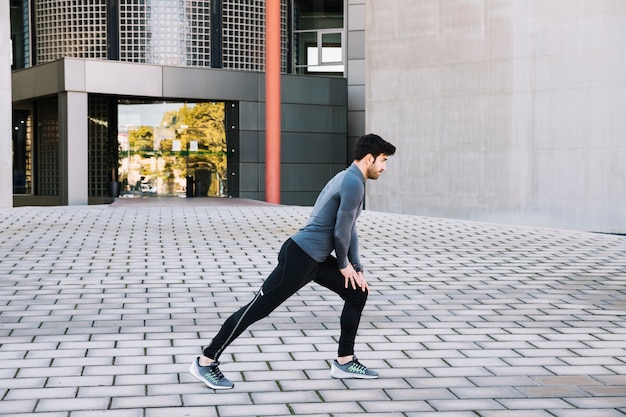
162	144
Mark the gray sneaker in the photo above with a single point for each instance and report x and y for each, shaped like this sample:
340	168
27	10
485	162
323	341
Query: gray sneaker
352	369
210	375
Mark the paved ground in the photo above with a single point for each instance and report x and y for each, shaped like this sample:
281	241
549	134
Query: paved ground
102	309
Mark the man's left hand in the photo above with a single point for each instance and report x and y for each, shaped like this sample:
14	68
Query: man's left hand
354	279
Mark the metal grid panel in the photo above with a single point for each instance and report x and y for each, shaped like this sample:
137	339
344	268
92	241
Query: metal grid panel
70	28
29	155
97	137
166	32
244	35
23	152
48	147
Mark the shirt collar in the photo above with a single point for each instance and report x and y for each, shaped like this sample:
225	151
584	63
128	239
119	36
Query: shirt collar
357	171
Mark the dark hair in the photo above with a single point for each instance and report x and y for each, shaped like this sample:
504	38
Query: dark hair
372	144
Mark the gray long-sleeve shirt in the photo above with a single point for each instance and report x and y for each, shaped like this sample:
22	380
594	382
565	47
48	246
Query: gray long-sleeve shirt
332	224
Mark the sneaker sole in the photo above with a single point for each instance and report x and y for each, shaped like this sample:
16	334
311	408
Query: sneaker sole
339	374
194	371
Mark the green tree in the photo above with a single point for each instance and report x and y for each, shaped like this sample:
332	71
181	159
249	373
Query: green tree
141	140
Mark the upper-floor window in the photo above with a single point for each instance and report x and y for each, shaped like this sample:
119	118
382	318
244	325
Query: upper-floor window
20	35
319	37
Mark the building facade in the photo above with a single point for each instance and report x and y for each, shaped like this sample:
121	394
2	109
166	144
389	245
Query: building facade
166	97
503	111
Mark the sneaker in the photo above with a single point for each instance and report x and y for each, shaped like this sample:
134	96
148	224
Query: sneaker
352	369
210	375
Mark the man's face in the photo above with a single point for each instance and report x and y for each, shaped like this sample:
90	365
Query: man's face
377	166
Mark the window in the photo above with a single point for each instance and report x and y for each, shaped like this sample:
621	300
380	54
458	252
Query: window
319	37
20	34
162	143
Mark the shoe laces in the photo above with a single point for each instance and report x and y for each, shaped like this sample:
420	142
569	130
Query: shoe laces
358	366
216	371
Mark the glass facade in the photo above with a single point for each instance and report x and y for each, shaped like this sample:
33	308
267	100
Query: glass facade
162	143
66	28
243	35
165	32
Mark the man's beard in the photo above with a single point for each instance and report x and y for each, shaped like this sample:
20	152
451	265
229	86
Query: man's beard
373	173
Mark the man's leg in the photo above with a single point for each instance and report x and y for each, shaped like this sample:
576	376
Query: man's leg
346	365
295	269
354	302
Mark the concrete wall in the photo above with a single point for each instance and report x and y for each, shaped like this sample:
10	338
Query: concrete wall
505	111
6	130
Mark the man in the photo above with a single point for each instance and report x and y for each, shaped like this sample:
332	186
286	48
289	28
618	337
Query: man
306	257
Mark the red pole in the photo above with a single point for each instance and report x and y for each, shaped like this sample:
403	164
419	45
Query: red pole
272	101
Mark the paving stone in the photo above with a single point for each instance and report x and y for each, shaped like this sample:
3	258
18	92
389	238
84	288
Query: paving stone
464	318
71	404
462	404
145	401
25	394
17	407
138	412
441	414
256	410
175	411
586	413
515	413
209	399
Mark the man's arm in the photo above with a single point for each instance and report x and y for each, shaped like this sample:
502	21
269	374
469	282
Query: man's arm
353	272
353	250
346	240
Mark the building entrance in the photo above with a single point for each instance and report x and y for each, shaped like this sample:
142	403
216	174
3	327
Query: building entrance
172	149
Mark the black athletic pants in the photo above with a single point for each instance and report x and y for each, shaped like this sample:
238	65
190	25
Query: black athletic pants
295	269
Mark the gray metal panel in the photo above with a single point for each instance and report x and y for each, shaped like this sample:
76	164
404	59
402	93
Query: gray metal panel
356	45
340	153
42	80
250	177
74	75
305	90
248	146
303	118
302	148
356	97
356	123
306	198
249	115
338	88
335	168
357	71
211	84
109	77
304	177
338	119
253	195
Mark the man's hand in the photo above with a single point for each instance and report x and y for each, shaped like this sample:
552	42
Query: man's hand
355	279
